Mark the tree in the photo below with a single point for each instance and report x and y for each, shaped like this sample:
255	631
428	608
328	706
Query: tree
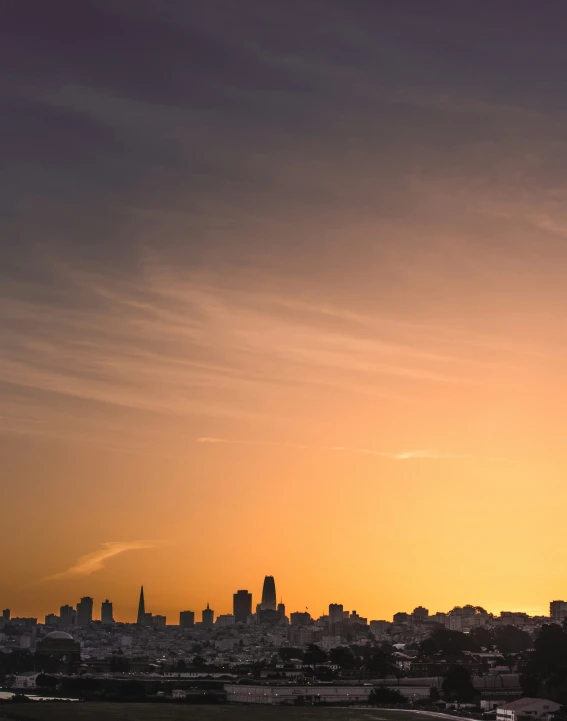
511	639
16	662
458	685
342	657
287	654
119	664
481	637
546	669
383	695
324	673
46	681
314	655
434	694
451	643
382	663
428	648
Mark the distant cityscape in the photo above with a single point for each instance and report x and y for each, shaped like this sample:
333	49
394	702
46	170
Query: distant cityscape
271	613
259	654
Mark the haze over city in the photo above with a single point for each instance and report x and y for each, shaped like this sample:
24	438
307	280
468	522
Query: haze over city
283	292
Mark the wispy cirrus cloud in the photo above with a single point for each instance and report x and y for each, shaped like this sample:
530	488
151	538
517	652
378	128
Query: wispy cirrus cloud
251	442
163	349
405	455
96	560
395	455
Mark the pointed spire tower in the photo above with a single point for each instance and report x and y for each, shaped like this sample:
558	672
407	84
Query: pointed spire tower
141	609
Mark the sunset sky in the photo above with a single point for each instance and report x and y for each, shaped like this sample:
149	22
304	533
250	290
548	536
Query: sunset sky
284	291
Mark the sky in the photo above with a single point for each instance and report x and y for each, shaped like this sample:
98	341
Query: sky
283	292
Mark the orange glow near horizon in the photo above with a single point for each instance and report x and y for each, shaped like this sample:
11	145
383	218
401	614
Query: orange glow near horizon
283	291
378	461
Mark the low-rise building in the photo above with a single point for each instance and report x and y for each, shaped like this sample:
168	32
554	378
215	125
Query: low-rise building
524	708
288	694
27	679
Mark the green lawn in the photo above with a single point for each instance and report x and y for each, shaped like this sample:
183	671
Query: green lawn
53	711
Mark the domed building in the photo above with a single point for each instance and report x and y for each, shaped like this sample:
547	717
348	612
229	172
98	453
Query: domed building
58	651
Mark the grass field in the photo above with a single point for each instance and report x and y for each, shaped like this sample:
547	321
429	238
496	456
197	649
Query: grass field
53	711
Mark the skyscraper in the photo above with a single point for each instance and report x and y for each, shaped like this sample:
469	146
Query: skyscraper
6	614
242	606
85	611
141	620
336	613
208	617
67	616
106	616
269	594
558	610
186	619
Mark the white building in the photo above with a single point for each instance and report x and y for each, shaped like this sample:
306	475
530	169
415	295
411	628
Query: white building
540	708
27	679
454	622
276	695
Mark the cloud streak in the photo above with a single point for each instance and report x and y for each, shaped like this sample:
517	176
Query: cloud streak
395	455
405	455
96	560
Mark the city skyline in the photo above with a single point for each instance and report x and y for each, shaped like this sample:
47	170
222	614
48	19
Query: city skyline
282	289
94	609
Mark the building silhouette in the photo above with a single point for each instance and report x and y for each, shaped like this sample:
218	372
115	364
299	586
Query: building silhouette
67	616
268	617
269	594
420	614
141	618
6	614
186	619
242	606
558	610
208	617
336	613
300	618
225	619
85	611
106	616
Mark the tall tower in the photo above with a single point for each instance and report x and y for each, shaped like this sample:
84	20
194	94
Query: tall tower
336	613
67	616
242	606
141	609
106	616
186	619
85	611
208	617
269	594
